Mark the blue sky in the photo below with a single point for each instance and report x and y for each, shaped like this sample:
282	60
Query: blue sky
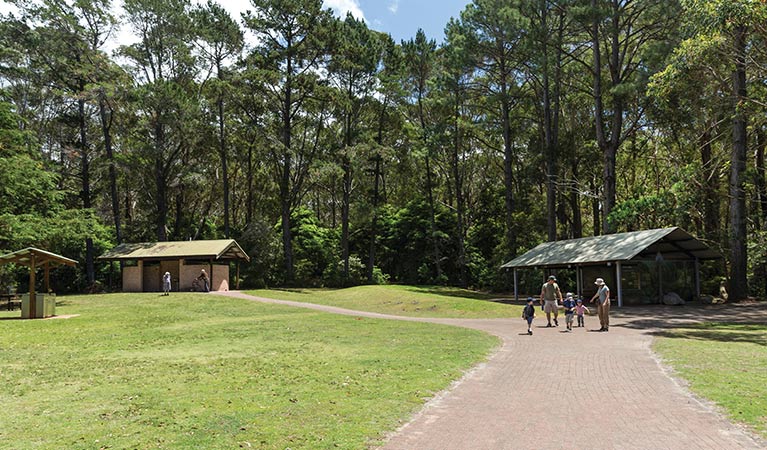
400	18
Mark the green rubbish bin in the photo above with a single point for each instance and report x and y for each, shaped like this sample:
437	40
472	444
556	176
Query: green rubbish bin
45	306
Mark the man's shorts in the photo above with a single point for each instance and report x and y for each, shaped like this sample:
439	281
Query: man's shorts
550	306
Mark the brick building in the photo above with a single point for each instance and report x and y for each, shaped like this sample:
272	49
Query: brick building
145	263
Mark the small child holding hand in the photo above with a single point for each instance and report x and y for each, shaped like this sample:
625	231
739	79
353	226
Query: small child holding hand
580	308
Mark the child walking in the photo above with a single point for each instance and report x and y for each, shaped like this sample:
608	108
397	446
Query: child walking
569	304
529	314
579	310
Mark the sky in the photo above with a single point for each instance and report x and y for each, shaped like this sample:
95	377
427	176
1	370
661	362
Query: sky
400	18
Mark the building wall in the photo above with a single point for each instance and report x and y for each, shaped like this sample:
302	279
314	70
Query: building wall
132	278
188	273
136	278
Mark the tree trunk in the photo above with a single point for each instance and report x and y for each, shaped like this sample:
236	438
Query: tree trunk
249	198
710	183
86	184
224	160
285	191
548	138
575	201
287	239
761	184
459	200
432	219
106	129
376	194
738	234
374	221
508	174
347	188
159	174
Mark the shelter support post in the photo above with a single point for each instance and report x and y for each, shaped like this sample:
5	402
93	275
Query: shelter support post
516	291
237	280
32	302
619	286
697	277
210	274
46	268
578	290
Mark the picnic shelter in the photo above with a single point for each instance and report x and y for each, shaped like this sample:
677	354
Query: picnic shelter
639	266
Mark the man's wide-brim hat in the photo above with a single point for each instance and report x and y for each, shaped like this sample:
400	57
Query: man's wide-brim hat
552	277
599	282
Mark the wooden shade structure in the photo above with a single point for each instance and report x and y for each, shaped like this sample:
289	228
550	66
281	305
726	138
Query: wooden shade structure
34	258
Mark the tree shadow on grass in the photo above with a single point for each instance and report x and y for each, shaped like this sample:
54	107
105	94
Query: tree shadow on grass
449	291
719	323
718	335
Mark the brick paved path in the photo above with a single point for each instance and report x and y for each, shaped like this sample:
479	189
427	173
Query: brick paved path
557	390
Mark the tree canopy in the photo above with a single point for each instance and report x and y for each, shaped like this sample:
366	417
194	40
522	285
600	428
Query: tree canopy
337	156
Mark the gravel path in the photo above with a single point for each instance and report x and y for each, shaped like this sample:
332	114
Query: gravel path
559	390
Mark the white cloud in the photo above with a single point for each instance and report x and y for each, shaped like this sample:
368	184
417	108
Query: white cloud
341	7
394	6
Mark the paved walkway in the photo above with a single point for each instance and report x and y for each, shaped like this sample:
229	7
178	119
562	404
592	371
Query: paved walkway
526	395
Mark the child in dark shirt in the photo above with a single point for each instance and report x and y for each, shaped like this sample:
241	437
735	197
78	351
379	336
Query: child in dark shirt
569	304
529	314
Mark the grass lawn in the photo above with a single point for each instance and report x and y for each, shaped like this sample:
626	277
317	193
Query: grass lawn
416	301
202	371
725	363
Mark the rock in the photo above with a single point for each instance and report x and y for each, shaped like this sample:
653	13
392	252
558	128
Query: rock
672	298
711	300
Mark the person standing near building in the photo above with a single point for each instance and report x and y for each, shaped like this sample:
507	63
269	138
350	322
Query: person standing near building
603	305
204	280
549	293
166	283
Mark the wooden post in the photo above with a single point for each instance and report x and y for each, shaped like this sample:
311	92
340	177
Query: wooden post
697	278
618	283
210	275
578	288
237	281
32	306
47	277
516	291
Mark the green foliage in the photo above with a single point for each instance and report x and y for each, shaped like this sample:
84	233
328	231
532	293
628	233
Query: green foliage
331	126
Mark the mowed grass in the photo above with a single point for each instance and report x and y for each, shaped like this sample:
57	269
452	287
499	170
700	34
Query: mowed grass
414	301
725	363
203	371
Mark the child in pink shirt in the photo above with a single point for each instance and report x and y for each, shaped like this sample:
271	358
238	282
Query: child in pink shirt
580	309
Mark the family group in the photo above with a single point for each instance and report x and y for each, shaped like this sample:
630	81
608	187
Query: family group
572	307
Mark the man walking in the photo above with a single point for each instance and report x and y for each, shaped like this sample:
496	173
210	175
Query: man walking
549	293
603	306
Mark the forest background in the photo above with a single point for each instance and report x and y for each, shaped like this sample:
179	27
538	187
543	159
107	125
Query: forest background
336	156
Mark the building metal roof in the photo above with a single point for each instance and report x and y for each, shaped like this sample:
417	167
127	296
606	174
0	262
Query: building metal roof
25	256
672	244
211	249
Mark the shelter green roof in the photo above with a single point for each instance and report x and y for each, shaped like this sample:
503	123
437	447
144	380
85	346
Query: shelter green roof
672	244
210	249
24	257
